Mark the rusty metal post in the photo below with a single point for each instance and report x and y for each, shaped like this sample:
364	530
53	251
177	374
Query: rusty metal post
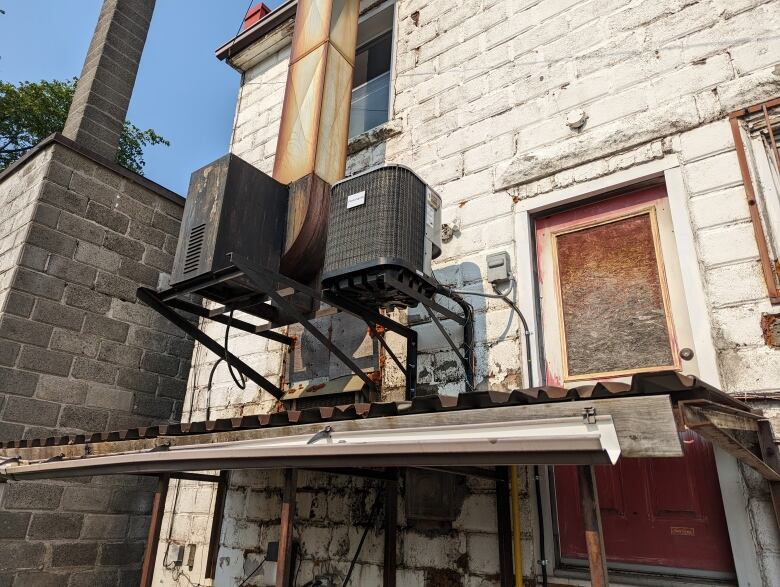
284	564
153	537
767	267
216	525
391	531
311	150
504	522
591	518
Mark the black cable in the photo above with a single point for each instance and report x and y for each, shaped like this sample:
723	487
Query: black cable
240	26
241	384
372	517
526	331
252	574
468	333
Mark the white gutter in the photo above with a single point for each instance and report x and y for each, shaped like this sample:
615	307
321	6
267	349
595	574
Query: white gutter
571	440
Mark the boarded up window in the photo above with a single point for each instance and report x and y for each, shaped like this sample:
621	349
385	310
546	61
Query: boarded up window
613	299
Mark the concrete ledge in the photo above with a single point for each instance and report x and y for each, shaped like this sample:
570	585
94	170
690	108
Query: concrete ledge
58	139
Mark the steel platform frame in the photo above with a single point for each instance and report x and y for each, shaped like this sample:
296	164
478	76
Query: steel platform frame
265	284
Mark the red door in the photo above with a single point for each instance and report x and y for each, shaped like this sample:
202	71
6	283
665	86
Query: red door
613	305
657	512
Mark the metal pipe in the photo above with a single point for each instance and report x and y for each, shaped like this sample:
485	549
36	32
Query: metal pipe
517	548
540	516
153	536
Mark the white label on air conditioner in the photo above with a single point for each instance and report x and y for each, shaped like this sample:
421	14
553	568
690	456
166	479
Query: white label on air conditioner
430	215
357	199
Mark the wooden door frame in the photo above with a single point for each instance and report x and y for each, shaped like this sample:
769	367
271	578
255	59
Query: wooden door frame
668	170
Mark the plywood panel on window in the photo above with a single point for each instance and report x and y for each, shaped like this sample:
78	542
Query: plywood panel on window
612	298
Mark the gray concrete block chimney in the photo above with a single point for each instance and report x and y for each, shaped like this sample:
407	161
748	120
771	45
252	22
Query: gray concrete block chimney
99	107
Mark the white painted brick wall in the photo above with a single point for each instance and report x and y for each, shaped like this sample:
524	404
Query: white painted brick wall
481	93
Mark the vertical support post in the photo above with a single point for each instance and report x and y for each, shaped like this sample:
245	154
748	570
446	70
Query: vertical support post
153	537
766	441
284	570
591	518
216	525
391	530
504	519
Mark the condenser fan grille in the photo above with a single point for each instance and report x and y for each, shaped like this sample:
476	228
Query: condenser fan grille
389	225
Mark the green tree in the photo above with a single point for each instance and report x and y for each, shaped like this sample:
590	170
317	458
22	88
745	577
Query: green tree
31	111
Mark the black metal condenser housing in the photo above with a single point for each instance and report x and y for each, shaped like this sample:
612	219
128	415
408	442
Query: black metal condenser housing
232	207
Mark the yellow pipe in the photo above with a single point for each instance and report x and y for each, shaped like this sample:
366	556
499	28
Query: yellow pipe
517	550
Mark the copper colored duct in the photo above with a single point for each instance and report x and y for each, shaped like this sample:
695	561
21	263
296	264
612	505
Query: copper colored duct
311	151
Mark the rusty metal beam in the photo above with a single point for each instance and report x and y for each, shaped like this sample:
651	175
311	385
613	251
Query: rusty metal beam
591	518
284	564
153	536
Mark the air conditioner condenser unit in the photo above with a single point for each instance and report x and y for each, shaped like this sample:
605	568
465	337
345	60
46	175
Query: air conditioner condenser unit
383	220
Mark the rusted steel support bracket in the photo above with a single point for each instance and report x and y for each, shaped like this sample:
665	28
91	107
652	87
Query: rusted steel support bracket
151	299
153	537
591	518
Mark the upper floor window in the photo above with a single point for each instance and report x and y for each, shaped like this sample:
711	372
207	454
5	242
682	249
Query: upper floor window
371	80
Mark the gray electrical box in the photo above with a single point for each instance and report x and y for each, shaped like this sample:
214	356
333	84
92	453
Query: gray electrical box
498	269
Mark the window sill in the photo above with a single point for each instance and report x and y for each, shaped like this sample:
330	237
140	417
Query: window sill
378	134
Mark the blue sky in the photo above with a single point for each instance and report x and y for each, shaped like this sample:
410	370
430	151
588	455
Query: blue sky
182	91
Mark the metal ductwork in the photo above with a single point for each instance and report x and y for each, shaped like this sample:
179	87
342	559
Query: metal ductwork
311	151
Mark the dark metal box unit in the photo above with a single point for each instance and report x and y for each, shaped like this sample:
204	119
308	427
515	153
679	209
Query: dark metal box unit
385	220
232	207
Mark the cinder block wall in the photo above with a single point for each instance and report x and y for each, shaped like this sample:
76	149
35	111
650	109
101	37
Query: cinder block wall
79	353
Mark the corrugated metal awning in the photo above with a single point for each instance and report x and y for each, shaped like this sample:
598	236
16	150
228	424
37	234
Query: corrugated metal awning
676	385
